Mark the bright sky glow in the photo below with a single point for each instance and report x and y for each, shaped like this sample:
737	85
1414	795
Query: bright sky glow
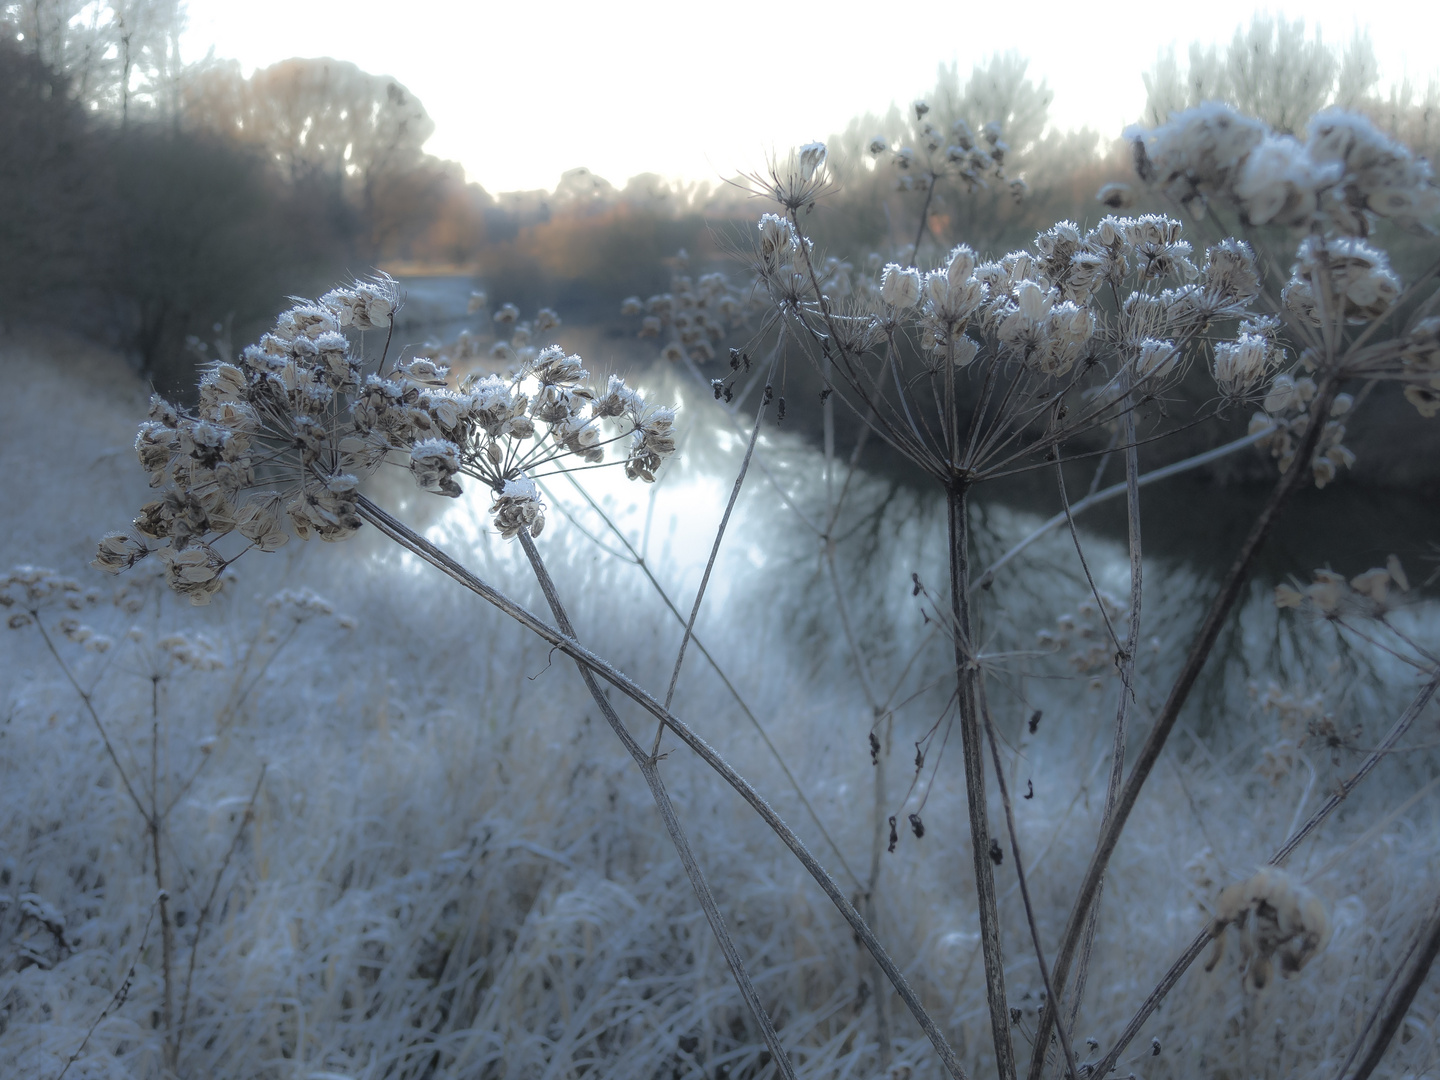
521	92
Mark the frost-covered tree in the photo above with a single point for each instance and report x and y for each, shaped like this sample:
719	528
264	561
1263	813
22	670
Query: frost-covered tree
318	117
1271	70
116	55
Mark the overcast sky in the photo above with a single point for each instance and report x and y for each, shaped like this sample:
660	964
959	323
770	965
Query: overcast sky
520	92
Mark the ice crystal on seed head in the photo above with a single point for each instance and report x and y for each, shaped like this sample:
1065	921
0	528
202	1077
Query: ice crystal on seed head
517	507
812	157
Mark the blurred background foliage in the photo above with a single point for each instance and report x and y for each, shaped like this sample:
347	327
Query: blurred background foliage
149	200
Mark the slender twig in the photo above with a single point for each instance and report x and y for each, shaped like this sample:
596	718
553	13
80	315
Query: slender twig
1395	1015
167	926
1084	562
94	717
1374	1018
118	998
924	216
650	769
247	816
1105	494
424	549
710	566
872	887
638	560
993	739
1126	664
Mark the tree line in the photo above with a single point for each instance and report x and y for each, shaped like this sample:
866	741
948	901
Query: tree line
148	200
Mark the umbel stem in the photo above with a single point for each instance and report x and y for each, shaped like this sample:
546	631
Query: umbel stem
971	741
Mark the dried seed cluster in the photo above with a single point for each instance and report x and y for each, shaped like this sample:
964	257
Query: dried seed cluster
1341	178
1369	595
280	440
1277	918
975	161
1039	308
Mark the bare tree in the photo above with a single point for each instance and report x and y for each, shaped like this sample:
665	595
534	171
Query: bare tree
1270	70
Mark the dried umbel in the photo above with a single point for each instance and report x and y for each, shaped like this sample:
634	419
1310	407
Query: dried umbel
1038	321
1372	594
1242	365
1360	283
697	314
27	591
1286	418
279	442
929	153
1277	919
1341	178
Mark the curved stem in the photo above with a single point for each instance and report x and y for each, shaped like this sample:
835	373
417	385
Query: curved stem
1014	834
1197	946
419	546
424	549
650	769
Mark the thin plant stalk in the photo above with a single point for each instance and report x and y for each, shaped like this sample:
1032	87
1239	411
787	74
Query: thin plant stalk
118	999
872	886
710	565
1014	835
1105	494
1428	946
245	818
167	927
1126	664
974	755
639	560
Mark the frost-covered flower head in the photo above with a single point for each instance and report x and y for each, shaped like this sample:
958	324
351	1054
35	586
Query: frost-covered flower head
1286	418
280	441
900	286
1281	183
812	157
794	181
1242	365
1277	918
1197	153
26	591
1342	176
1061	331
777	241
696	315
1362	286
1379	175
